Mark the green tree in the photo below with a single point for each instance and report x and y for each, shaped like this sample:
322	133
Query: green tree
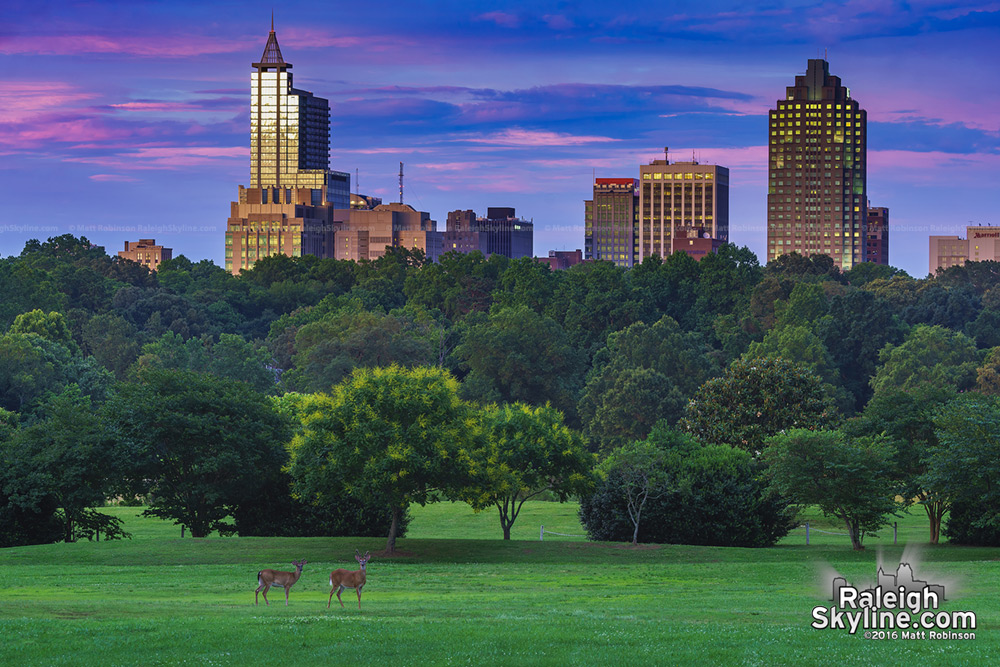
198	444
31	366
932	355
390	435
800	345
52	326
63	463
864	273
988	375
640	469
858	325
806	304
644	374
594	299
326	351
231	358
906	418
516	355
111	341
847	478
524	451
964	465
755	399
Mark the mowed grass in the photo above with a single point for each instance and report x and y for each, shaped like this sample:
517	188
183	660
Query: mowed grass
457	594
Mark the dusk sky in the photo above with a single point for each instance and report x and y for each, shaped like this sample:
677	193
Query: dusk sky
123	120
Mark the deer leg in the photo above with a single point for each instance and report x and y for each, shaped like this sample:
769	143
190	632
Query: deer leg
339	591
359	598
330	601
267	587
286	595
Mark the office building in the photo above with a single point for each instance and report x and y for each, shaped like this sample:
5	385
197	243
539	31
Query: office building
817	158
683	206
501	232
982	243
146	252
287	206
562	259
366	233
611	219
877	235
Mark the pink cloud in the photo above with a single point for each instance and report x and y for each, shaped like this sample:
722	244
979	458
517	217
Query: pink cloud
24	99
558	21
929	167
516	137
115	178
449	166
42	130
170	107
147	46
168	157
317	38
503	19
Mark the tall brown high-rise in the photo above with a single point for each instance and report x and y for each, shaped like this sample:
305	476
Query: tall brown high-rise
817	194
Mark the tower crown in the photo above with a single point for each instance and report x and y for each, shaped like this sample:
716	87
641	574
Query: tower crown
272	52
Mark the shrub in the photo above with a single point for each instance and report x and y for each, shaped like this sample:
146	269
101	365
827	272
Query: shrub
964	525
705	495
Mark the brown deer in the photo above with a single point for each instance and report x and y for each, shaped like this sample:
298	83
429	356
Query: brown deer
268	578
341	579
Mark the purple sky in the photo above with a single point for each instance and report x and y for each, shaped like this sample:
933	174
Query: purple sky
123	120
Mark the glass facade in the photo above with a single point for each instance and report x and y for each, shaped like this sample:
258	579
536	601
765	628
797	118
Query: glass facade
287	208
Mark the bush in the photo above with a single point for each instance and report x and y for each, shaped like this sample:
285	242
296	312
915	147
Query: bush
963	526
20	527
711	495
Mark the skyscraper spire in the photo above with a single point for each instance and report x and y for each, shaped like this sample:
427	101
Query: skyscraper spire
272	54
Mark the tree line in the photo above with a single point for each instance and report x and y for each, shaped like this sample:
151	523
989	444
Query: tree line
699	382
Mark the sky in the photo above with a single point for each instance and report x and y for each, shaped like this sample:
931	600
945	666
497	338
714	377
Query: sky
123	120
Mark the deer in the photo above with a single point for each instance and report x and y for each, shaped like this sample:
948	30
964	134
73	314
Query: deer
341	579
268	578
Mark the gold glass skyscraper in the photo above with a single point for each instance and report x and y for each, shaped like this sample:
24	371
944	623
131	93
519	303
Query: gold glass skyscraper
289	128
817	179
288	206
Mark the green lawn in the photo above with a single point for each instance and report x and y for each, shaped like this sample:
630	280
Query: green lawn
460	595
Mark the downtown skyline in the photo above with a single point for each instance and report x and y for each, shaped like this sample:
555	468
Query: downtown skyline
121	118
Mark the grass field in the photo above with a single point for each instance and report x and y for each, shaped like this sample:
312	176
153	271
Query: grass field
460	595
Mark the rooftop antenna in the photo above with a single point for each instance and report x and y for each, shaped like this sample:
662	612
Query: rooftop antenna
272	20
357	182
400	182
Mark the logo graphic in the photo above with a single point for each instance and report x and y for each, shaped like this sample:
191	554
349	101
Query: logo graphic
897	606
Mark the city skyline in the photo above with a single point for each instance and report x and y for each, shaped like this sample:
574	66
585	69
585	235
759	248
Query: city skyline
108	114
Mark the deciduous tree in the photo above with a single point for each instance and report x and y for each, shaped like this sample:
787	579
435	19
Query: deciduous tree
391	435
197	443
523	451
847	478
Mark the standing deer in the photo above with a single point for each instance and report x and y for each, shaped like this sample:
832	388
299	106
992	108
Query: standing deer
341	579
268	578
